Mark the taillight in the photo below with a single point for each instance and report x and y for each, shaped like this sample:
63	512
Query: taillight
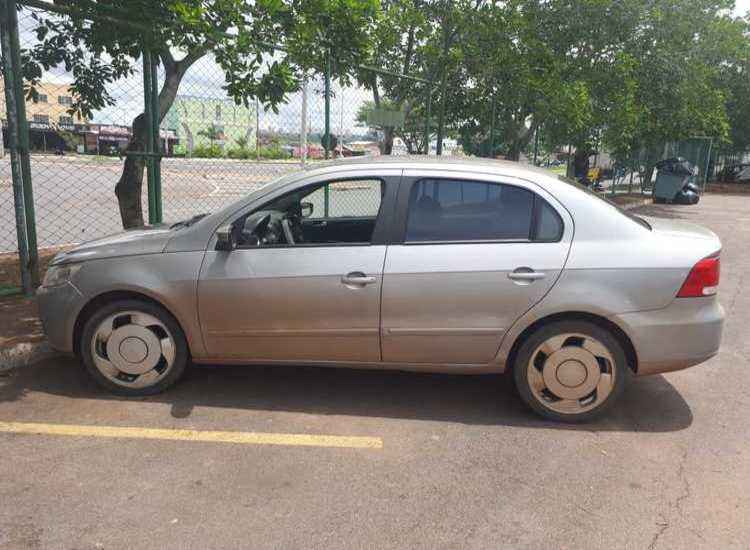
703	279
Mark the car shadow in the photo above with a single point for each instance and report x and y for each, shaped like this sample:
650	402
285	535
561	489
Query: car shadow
650	404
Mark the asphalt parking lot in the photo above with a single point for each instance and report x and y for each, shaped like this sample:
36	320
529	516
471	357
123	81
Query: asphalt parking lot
232	457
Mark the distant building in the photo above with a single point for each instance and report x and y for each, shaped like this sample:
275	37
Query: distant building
112	139
51	126
200	121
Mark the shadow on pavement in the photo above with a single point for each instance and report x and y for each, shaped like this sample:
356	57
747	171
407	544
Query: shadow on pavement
649	405
669	211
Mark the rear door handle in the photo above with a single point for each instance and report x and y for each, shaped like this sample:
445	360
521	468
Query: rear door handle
357	278
526	274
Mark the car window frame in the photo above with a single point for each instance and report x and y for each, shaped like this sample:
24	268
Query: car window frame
400	226
382	219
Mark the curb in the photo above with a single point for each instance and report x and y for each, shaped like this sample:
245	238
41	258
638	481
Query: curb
635	204
24	355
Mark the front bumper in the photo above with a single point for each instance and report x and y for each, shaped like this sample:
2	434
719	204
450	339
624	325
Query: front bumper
685	333
58	309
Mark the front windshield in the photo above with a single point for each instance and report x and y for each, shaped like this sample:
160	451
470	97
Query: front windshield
640	221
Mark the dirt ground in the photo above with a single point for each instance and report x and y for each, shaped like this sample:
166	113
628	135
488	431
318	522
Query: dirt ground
19	322
10	273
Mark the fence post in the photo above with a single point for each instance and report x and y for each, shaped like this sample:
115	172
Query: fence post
23	142
257	130
327	134
147	111
303	125
441	113
9	75
492	127
708	163
156	122
427	121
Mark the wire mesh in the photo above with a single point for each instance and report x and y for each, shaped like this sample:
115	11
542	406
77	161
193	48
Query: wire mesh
215	150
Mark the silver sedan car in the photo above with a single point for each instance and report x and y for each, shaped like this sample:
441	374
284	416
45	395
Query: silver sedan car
424	265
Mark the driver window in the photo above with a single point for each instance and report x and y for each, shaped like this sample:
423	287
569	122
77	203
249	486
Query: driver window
346	199
336	212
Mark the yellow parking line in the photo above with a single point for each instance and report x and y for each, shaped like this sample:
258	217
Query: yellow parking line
247	438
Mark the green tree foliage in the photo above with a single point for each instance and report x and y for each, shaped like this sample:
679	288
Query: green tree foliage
623	74
238	34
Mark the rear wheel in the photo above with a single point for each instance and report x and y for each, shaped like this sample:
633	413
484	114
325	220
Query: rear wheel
134	348
571	371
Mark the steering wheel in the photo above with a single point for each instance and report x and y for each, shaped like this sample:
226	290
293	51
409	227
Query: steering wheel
259	228
287	228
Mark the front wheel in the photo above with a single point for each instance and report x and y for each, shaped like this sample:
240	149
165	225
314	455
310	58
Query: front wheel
134	348
571	371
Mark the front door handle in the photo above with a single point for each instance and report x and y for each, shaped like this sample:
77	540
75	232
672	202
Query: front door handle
357	278
526	275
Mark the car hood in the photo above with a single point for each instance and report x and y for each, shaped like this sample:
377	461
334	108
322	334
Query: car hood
133	242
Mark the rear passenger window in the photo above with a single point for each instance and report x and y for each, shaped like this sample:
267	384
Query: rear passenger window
458	210
549	225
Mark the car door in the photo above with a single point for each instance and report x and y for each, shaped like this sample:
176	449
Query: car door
314	301
470	256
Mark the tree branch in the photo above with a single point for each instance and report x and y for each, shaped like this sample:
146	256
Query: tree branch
192	56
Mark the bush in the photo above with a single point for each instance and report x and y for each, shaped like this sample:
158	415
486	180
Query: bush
273	151
208	152
240	153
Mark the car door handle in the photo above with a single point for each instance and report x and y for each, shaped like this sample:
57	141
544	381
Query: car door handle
522	274
357	278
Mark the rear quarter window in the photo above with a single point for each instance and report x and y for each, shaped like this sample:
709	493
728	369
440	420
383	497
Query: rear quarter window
549	225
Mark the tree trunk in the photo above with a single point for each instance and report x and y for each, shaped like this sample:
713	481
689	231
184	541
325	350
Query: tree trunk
387	145
581	162
514	151
129	187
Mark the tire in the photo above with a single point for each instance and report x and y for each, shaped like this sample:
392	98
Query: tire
134	348
571	371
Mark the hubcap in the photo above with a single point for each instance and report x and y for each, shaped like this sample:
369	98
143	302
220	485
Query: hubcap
571	373
133	349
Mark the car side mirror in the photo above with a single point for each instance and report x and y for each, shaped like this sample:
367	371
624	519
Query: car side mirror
225	238
306	209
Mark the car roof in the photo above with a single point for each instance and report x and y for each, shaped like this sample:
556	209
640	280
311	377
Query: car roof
422	162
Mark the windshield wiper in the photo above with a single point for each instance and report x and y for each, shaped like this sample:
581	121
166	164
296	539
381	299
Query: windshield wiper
190	221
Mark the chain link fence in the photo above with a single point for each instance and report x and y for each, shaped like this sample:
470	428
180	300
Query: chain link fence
219	151
216	151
